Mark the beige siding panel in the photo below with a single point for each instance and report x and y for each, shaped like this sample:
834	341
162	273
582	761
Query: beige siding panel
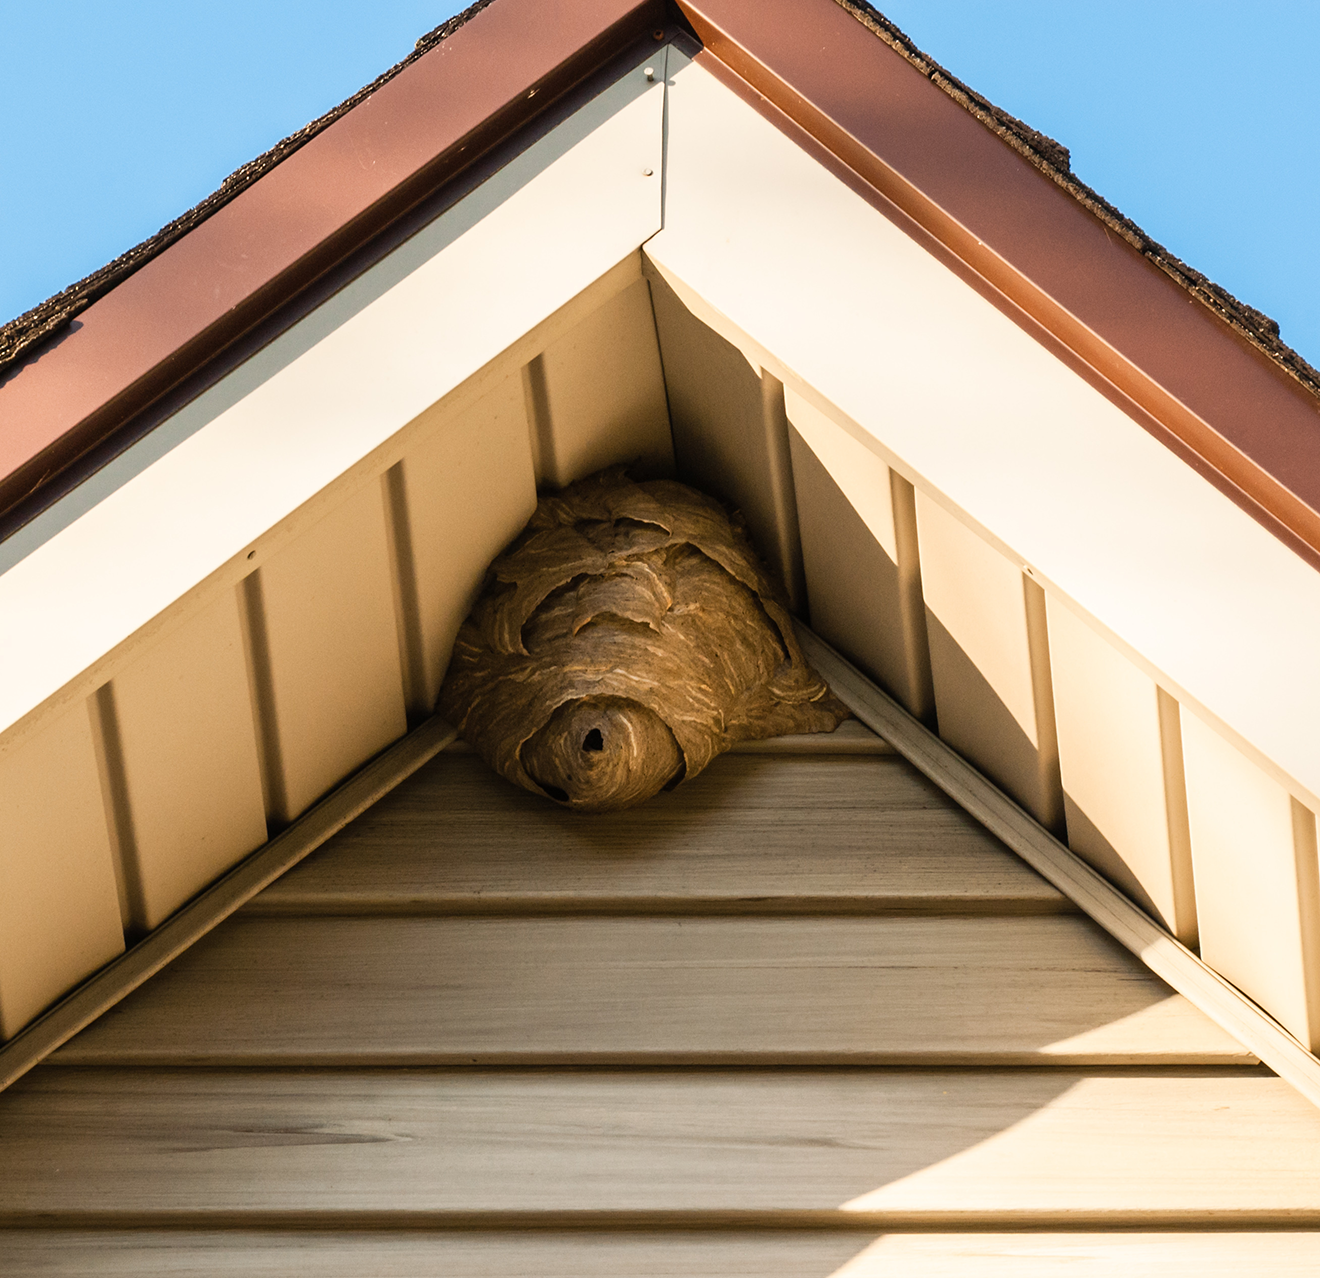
981	659
722	439
862	477
1084	1255
530	1253
604	393
897	991
936	1148
752	832
860	599
335	681
1255	912
470	489
1112	764
59	904
191	769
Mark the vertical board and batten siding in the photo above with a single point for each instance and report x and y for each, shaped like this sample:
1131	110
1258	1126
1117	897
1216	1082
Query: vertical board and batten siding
1117	731
1120	754
332	505
859	549
468	489
597	395
59	904
1253	851
184	778
730	431
988	654
326	653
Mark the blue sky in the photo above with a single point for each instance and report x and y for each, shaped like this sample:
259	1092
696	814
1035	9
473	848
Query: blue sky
1198	119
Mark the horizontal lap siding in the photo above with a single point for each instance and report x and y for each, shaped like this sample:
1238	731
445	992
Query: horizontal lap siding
641	990
810	834
295	1132
531	1253
927	1146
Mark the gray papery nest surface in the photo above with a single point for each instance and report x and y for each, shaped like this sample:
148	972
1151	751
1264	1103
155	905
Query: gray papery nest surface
627	637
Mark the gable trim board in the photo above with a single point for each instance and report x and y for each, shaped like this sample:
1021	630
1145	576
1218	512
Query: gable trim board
316	413
965	404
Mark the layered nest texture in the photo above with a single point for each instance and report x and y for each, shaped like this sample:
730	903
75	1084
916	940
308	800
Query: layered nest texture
627	637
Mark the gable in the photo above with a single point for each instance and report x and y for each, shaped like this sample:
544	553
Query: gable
259	595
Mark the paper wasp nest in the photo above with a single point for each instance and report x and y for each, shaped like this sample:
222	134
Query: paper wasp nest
627	637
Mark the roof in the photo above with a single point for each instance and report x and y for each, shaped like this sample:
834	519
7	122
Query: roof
1053	159
89	397
21	335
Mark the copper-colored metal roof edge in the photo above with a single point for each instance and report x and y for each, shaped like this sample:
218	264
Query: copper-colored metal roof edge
1206	374
172	307
1203	372
25	332
1054	160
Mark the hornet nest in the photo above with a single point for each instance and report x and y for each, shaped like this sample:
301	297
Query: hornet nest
627	637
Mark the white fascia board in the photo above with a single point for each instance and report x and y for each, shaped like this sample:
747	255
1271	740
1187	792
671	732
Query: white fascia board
252	449
978	413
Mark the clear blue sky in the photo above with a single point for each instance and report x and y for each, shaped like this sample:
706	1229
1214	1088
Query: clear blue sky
1197	118
1200	119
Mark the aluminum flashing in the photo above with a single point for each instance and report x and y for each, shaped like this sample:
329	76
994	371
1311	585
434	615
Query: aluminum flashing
491	76
1250	420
